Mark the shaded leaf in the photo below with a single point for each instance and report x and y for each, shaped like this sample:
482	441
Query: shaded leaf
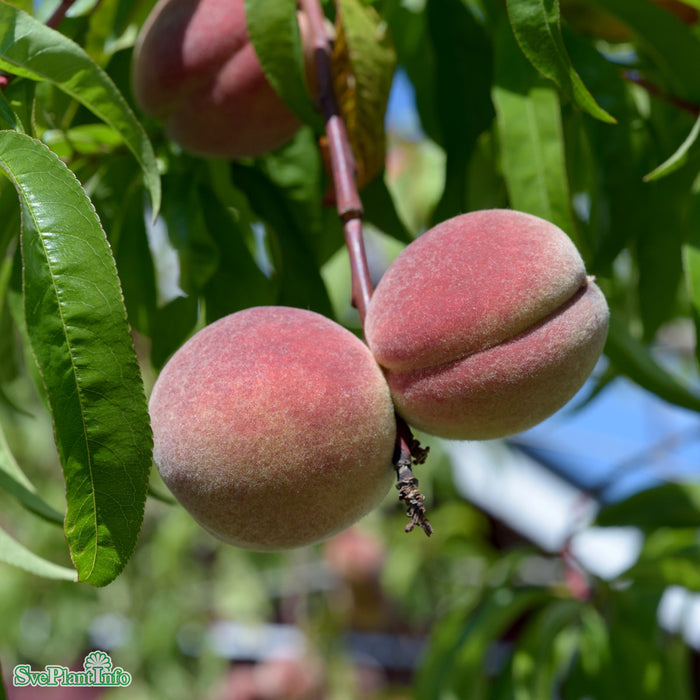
461	92
171	325
31	49
16	554
297	172
673	46
76	322
633	359
669	505
296	274
14	482
237	283
531	137
537	27
380	210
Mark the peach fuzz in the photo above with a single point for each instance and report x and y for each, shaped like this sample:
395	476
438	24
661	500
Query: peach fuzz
195	69
486	325
274	428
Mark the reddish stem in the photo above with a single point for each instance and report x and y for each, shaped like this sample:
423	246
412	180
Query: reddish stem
59	14
350	210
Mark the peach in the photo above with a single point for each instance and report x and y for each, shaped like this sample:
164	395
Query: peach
274	428
195	69
486	325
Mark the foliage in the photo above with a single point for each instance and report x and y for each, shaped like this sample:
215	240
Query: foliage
583	112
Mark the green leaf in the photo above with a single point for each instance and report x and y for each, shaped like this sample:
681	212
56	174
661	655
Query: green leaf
364	61
274	33
14	482
545	650
690	148
77	326
673	47
453	666
3	694
669	505
531	137
632	359
462	93
380	210
537	27
30	49
691	265
16	554
670	557
296	273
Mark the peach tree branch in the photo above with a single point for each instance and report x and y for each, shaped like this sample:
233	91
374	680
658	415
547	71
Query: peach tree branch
407	451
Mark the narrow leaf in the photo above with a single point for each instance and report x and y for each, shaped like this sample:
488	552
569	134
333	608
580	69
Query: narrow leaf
453	666
541	657
674	48
537	27
77	327
16	554
687	150
632	358
531	137
274	33
14	482
31	49
691	266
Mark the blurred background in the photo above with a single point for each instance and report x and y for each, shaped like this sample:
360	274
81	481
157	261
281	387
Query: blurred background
564	561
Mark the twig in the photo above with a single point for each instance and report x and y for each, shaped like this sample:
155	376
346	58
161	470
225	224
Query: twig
407	451
59	14
655	91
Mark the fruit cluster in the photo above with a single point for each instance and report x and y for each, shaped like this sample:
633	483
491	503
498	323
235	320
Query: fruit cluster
275	427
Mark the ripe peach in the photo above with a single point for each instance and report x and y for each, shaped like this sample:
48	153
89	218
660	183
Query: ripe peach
195	68
486	325
274	428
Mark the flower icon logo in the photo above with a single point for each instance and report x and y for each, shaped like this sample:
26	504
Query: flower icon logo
97	660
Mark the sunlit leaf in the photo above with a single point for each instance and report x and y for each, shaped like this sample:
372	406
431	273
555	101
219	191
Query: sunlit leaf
687	150
536	25
16	554
546	648
363	68
30	49
274	33
452	667
531	137
76	323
